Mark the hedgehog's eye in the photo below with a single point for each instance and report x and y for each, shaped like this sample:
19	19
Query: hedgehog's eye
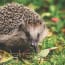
40	23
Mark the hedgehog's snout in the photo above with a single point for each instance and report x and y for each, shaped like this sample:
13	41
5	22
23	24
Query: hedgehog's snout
34	32
35	42
35	35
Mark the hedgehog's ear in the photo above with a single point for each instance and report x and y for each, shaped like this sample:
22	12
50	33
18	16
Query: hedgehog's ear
21	27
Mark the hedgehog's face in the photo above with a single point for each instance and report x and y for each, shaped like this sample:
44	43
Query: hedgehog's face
37	31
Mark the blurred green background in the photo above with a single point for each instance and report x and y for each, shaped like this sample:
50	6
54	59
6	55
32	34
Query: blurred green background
53	12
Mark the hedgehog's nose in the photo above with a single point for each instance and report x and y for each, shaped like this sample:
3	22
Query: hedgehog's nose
34	45
34	42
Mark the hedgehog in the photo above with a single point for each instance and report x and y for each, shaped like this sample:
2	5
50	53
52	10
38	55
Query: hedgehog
20	27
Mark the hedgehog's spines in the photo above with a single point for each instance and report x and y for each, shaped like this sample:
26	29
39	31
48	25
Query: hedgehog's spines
13	14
